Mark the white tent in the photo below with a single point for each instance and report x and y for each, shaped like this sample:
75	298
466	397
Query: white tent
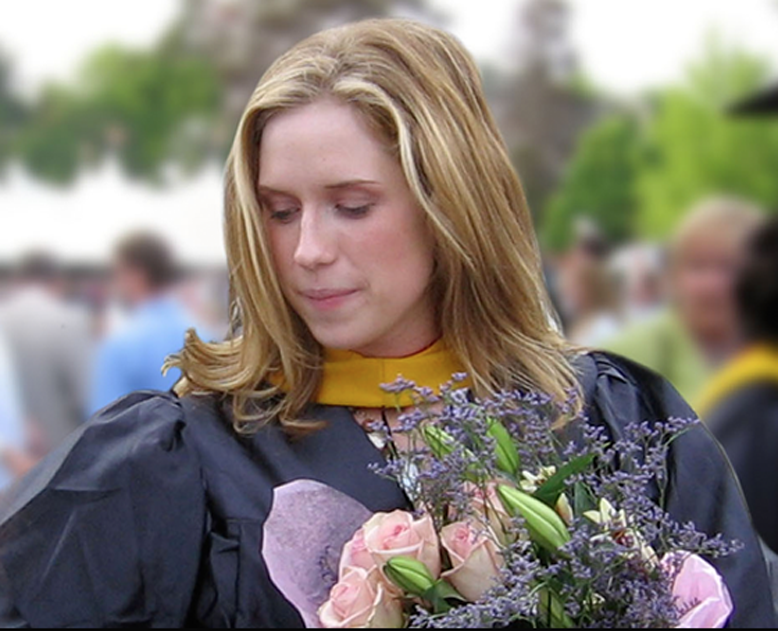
81	223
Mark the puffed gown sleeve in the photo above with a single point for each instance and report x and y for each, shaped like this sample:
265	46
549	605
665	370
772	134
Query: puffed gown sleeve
107	532
703	488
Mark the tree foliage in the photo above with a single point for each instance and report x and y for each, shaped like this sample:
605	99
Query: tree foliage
696	148
636	175
600	184
135	104
177	103
12	113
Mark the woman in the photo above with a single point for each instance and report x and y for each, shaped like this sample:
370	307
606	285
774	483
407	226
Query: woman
374	226
740	405
698	332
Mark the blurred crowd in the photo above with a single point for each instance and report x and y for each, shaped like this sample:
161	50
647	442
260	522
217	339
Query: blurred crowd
671	307
72	340
702	311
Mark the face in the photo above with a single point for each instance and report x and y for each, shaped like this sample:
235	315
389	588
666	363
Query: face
129	284
349	242
703	284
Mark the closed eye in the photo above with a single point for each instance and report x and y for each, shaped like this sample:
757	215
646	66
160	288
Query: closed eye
283	216
354	211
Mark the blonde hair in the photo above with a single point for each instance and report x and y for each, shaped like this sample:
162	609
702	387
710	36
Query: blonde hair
718	219
420	91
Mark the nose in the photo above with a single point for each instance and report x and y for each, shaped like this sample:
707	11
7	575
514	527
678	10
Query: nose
315	245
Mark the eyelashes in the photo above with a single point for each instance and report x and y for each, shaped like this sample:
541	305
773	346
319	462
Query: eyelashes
354	211
287	215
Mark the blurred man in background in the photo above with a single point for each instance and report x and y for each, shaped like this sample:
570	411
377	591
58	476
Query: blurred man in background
699	332
50	347
639	272
131	356
12	441
586	293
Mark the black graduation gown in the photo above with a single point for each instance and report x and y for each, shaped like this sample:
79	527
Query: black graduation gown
152	515
746	425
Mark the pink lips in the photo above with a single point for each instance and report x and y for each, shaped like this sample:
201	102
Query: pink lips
328	298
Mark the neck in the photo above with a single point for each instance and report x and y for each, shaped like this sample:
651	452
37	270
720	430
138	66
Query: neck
719	348
397	351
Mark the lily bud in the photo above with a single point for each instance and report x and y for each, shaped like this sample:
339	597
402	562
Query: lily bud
410	575
441	443
545	527
507	455
564	510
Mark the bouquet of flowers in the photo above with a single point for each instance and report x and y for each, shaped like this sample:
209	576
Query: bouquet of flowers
525	515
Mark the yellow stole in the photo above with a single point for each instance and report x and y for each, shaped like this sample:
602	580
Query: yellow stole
351	380
760	363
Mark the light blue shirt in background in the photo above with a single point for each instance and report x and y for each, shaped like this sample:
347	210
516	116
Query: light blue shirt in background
131	358
11	419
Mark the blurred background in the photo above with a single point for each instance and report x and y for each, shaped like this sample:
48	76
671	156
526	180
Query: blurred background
115	119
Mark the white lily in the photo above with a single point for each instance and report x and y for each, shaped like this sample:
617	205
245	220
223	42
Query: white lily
616	526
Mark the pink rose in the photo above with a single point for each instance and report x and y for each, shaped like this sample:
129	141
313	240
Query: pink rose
361	601
389	535
699	591
356	554
487	503
475	557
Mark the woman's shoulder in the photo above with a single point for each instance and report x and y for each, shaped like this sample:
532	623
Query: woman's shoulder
627	390
116	515
129	443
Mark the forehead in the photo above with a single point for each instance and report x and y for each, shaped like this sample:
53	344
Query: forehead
320	140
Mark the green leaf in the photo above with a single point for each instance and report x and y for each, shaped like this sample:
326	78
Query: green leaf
549	492
440	594
583	500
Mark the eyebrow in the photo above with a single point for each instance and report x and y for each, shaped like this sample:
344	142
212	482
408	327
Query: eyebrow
349	183
329	187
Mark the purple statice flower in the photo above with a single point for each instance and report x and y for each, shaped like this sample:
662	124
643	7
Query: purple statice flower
608	574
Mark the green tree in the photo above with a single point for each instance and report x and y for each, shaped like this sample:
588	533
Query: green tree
599	184
141	105
12	113
696	148
636	176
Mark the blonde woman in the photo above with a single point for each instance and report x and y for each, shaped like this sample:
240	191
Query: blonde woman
374	227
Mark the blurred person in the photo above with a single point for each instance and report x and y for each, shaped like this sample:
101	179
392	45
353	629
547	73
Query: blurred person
764	103
13	460
132	354
590	290
50	344
639	270
740	405
589	250
699	331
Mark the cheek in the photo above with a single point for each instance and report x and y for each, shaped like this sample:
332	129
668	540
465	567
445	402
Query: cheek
282	245
401	254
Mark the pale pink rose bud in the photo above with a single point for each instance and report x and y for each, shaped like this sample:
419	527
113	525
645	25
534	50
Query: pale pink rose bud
360	601
389	535
475	558
700	592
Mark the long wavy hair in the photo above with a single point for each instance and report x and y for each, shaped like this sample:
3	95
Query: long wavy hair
421	93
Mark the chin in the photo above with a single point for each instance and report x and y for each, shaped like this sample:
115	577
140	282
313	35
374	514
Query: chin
341	338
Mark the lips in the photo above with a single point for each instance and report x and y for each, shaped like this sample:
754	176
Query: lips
327	298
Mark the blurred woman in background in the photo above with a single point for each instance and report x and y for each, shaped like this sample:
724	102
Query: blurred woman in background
740	405
699	331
